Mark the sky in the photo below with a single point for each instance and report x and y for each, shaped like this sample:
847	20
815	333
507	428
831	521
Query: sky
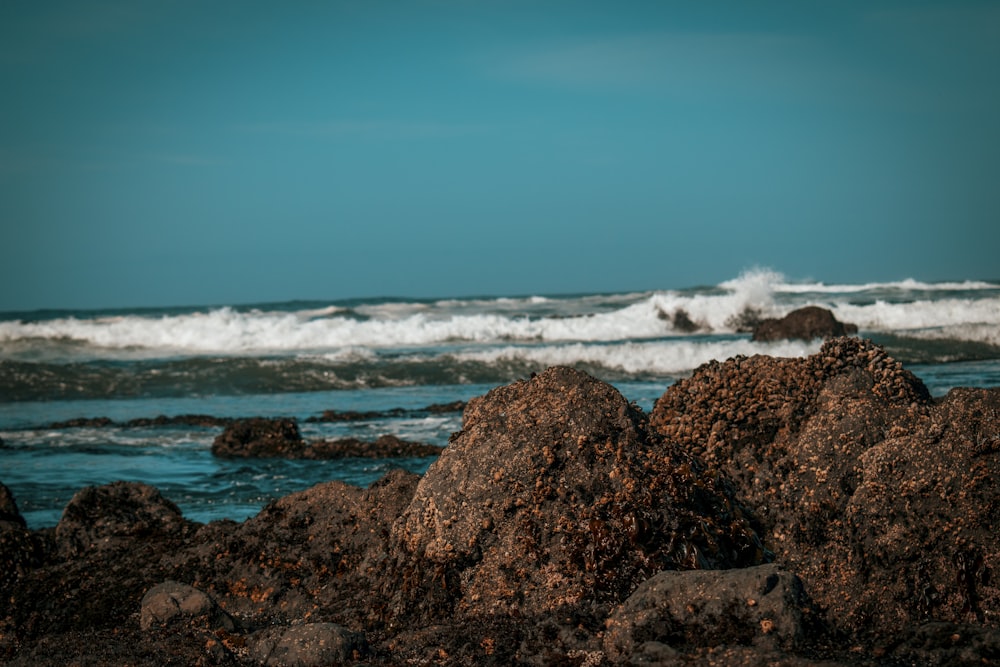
190	152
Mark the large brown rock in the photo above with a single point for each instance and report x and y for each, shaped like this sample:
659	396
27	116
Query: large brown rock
554	493
884	502
805	323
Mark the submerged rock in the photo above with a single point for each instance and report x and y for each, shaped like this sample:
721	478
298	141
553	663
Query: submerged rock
804	324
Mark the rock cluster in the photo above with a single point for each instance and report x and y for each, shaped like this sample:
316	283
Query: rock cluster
782	511
882	500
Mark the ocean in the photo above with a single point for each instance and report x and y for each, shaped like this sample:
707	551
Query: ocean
397	357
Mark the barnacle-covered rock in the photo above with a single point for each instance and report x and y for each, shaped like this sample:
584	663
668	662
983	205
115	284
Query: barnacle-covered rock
556	492
883	501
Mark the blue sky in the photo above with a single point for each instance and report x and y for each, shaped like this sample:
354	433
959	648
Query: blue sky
169	153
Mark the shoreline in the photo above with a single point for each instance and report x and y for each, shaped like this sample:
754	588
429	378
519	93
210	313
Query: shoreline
797	496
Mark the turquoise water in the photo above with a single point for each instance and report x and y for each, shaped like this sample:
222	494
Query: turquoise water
299	359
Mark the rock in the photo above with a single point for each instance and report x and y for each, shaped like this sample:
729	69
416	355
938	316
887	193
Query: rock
179	420
804	323
555	492
302	553
883	502
10	517
763	606
280	438
18	551
443	408
82	422
387	446
172	602
369	415
259	438
561	526
939	643
100	517
306	645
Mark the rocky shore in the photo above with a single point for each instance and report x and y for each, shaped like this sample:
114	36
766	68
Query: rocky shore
822	510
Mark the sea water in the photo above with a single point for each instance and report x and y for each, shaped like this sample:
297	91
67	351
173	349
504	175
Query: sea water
298	359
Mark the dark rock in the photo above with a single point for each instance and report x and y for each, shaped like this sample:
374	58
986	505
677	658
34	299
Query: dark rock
387	446
440	408
884	503
306	645
939	643
763	606
101	517
280	438
392	413
179	420
561	527
357	415
259	438
143	422
805	324
303	553
19	553
82	422
172	602
555	493
10	517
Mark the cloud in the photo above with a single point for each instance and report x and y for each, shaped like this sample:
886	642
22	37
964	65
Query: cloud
190	159
354	128
694	62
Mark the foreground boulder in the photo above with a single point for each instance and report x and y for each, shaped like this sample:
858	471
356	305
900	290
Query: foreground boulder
802	324
556	493
884	502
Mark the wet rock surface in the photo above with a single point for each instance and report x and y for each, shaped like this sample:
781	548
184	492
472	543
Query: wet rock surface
802	324
280	438
761	606
768	511
883	501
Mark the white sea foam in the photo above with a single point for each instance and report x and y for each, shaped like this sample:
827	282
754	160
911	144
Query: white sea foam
968	315
976	316
653	358
908	285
